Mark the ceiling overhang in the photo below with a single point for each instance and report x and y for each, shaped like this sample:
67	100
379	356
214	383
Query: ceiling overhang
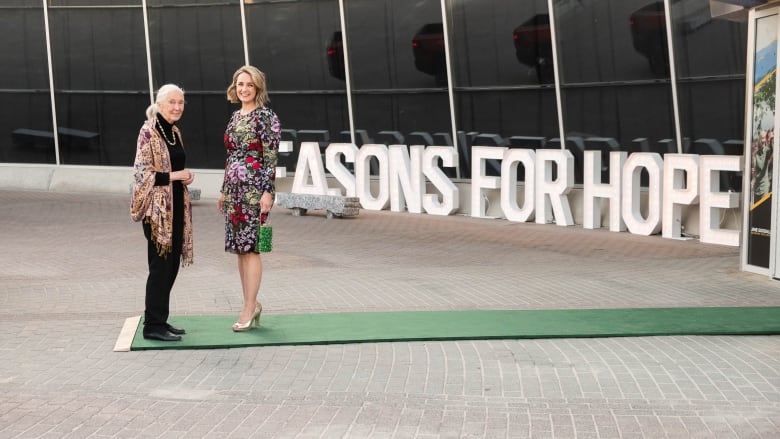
735	10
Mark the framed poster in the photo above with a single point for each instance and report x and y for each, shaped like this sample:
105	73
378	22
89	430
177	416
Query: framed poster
761	114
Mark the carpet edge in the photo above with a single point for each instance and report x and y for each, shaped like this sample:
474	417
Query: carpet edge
125	340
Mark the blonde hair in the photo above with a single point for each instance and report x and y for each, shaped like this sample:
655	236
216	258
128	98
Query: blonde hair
162	94
258	79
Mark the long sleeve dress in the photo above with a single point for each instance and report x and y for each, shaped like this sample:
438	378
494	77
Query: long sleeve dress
252	143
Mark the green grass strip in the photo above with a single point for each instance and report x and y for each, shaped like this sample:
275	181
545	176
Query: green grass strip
211	332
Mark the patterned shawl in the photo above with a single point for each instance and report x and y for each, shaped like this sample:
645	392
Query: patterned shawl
154	204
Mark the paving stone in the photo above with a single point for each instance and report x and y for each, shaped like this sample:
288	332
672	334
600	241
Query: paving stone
73	269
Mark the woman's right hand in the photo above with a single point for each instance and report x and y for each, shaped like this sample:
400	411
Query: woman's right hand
221	203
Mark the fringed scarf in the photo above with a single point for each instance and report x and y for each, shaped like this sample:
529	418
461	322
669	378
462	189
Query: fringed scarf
154	204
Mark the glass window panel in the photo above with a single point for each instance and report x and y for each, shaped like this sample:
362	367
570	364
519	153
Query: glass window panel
90	3
304	111
611	40
517	112
25	124
712	109
179	3
502	63
706	46
203	127
311	117
402	112
98	48
196	45
99	128
395	44
710	59
24	48
616	92
499	43
622	113
100	71
512	118
14	4
25	103
398	67
298	45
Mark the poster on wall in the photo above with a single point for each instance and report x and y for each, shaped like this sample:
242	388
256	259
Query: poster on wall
762	142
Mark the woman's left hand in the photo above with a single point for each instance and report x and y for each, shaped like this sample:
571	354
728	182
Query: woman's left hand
188	181
266	202
185	176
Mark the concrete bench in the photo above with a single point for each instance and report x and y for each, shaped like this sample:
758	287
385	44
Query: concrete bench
68	137
26	136
334	205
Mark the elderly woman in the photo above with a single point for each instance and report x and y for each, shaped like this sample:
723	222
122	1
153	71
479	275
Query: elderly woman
252	141
161	202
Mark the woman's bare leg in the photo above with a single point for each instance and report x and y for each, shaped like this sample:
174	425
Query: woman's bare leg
250	269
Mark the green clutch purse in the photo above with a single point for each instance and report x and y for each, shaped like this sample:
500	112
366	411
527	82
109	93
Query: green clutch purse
264	242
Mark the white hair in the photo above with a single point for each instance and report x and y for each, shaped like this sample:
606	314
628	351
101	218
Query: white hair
162	93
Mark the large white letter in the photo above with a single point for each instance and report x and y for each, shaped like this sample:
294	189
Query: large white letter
449	192
712	200
284	146
513	157
338	170
479	181
632	195
593	191
310	162
363	177
681	187
551	199
407	184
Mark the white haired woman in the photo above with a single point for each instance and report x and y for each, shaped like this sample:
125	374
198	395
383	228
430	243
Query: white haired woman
161	202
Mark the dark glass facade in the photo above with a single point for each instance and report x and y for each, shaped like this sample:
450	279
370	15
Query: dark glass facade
710	87
299	47
100	76
25	101
374	71
398	71
615	83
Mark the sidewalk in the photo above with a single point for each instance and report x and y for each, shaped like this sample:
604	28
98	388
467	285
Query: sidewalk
73	268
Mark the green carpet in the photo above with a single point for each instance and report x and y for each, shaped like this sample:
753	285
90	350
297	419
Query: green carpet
210	332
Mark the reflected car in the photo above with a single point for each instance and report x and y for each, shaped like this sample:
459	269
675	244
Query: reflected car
648	33
334	53
533	46
428	50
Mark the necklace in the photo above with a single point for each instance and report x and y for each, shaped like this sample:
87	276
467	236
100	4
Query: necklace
165	136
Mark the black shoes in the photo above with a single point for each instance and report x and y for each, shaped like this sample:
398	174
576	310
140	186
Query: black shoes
171	333
176	331
162	336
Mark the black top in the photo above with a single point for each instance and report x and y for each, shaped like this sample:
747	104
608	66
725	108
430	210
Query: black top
175	150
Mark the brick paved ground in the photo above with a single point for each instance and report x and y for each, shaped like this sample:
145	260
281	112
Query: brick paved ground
72	269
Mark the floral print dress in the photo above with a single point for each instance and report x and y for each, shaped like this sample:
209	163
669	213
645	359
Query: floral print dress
252	143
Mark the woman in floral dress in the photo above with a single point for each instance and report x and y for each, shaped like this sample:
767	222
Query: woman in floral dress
252	141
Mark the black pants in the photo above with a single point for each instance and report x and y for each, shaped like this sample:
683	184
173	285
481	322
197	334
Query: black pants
162	275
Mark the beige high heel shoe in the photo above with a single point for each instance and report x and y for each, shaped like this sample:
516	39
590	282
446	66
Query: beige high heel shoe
240	327
256	315
254	322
